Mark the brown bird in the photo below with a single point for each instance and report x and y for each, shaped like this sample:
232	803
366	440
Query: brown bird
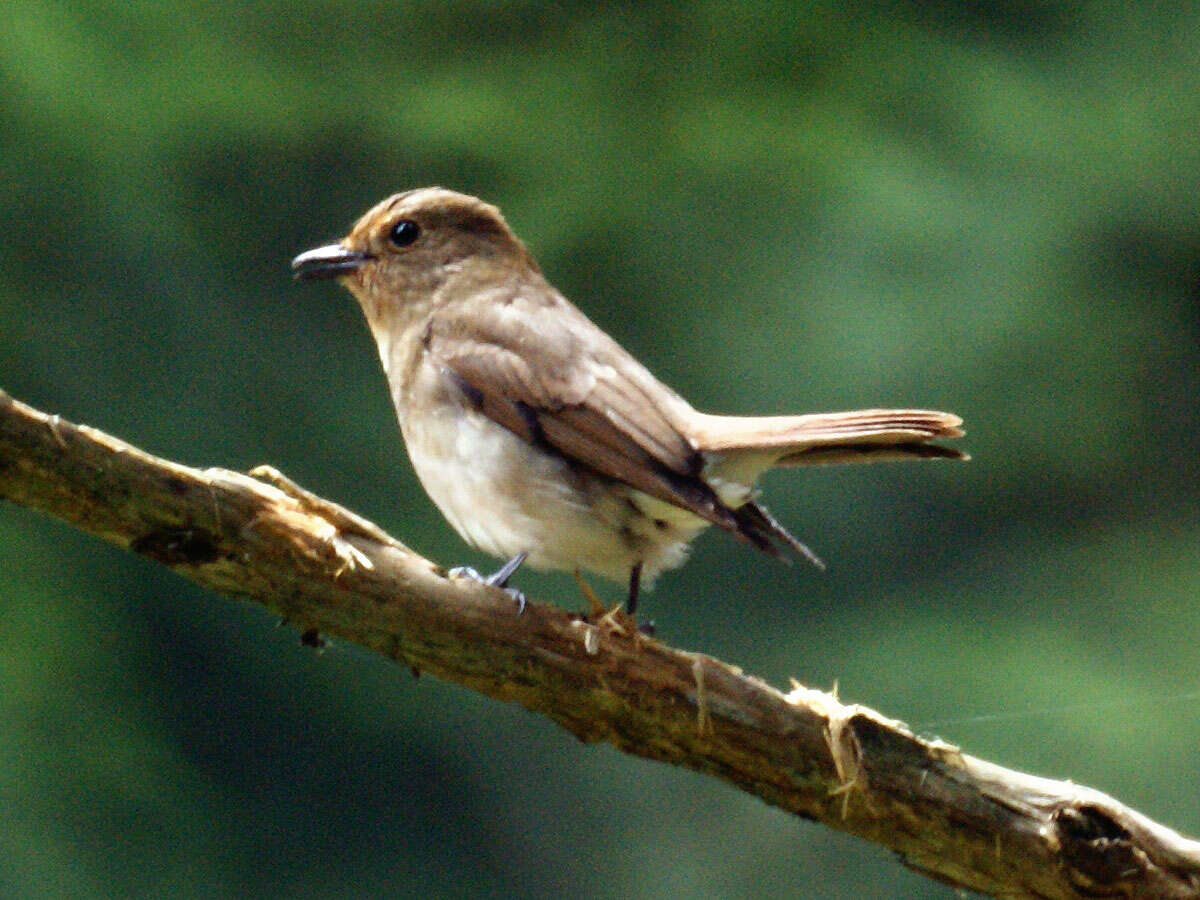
536	434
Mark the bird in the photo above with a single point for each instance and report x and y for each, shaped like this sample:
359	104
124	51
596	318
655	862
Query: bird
539	438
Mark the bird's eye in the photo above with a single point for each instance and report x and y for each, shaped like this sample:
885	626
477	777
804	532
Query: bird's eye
404	232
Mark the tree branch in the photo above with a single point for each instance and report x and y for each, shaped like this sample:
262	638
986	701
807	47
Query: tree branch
956	818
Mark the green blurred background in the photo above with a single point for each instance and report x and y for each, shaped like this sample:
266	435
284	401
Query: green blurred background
987	207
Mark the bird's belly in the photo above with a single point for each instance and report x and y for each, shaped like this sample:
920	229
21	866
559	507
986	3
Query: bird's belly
505	496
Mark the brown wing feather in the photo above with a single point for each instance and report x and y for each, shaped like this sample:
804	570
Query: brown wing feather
580	394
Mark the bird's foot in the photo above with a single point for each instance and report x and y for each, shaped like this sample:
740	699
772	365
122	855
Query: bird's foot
498	579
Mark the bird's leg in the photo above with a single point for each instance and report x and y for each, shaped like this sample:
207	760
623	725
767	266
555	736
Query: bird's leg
499	578
635	583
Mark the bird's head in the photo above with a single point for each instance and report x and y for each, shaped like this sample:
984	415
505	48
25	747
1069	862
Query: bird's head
405	250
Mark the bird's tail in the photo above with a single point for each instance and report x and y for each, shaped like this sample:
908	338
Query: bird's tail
738	449
865	435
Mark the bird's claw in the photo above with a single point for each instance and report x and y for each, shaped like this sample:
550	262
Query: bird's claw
518	596
496	579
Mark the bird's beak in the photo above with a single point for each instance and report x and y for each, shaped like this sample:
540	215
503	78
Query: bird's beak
330	261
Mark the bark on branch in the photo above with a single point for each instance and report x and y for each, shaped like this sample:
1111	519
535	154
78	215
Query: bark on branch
952	816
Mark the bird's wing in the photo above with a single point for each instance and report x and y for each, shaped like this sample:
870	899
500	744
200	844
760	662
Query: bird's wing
543	370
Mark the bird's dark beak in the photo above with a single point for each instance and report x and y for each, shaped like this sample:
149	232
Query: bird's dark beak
330	261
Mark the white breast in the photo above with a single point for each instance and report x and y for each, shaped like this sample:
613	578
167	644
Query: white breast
506	496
